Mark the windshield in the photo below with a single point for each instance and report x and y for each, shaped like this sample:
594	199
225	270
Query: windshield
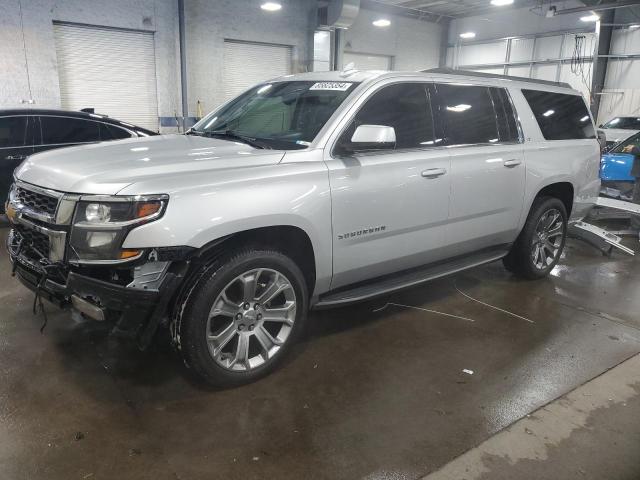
283	115
634	141
625	123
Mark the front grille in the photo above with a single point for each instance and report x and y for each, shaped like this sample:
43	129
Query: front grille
32	240
39	202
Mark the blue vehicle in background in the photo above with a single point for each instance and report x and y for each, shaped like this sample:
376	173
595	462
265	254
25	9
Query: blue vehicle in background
615	169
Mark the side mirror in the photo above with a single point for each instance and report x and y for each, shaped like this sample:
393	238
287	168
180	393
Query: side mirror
600	126
373	137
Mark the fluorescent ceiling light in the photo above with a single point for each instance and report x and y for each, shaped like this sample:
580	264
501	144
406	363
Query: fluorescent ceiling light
467	35
590	18
633	27
382	22
271	6
459	108
500	3
548	113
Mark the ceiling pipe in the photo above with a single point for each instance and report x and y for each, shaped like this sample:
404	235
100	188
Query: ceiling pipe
598	8
342	13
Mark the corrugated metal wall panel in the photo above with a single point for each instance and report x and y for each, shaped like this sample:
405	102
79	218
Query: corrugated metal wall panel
246	64
113	71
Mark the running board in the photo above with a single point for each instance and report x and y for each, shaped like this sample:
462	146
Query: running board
601	239
411	278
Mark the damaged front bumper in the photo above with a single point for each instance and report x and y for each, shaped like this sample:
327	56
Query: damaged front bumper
136	309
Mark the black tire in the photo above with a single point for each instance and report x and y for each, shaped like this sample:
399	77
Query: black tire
192	327
520	260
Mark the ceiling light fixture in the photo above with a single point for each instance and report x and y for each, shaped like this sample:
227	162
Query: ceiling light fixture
468	35
633	27
271	6
382	22
501	3
590	18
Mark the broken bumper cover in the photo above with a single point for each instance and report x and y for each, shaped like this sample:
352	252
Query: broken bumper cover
136	312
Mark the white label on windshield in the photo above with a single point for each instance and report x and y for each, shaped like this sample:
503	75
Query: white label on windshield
338	86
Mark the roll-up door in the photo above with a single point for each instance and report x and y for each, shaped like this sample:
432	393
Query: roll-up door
246	64
111	70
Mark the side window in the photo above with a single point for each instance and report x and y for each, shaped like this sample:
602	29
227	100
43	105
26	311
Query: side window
560	116
468	113
403	106
13	132
111	132
56	130
507	126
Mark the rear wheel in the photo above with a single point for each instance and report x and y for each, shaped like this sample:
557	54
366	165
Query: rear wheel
539	246
244	316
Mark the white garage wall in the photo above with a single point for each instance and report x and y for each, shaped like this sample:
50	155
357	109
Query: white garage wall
158	16
211	22
621	93
544	57
413	44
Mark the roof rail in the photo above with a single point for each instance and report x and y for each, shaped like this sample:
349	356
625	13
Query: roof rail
451	71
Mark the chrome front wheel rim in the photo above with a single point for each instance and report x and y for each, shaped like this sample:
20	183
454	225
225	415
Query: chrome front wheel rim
547	239
251	319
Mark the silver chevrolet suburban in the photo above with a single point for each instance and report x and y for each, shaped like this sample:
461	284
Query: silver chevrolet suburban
309	191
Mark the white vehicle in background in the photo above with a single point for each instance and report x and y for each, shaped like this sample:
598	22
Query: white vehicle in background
620	128
311	190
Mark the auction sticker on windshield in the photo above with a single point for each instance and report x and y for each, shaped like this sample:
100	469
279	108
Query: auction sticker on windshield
338	86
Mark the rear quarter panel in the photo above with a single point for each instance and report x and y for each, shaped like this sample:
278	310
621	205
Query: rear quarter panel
574	161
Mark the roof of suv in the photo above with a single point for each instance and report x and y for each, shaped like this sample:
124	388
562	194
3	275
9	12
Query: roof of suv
73	114
363	76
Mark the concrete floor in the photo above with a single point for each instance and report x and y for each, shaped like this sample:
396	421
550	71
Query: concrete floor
376	390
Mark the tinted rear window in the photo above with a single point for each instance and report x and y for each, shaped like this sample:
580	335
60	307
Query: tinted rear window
469	114
626	123
13	131
507	126
57	130
560	116
111	132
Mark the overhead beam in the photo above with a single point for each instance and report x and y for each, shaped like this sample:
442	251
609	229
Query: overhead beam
600	7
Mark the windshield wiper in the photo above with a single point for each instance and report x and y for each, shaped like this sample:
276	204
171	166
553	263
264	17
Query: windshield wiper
254	142
191	131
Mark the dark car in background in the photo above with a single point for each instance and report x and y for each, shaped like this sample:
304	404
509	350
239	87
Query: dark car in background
24	132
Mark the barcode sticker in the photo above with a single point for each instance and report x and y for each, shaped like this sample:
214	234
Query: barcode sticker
338	86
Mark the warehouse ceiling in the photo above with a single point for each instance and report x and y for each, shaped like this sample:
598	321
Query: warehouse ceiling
441	8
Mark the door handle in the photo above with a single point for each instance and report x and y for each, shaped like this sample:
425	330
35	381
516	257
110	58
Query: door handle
514	162
16	157
433	172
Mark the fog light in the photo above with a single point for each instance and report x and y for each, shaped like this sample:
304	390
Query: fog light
100	239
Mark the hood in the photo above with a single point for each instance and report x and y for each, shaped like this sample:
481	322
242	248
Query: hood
108	167
618	134
616	167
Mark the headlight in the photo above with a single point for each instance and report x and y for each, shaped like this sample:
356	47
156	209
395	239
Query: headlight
101	223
